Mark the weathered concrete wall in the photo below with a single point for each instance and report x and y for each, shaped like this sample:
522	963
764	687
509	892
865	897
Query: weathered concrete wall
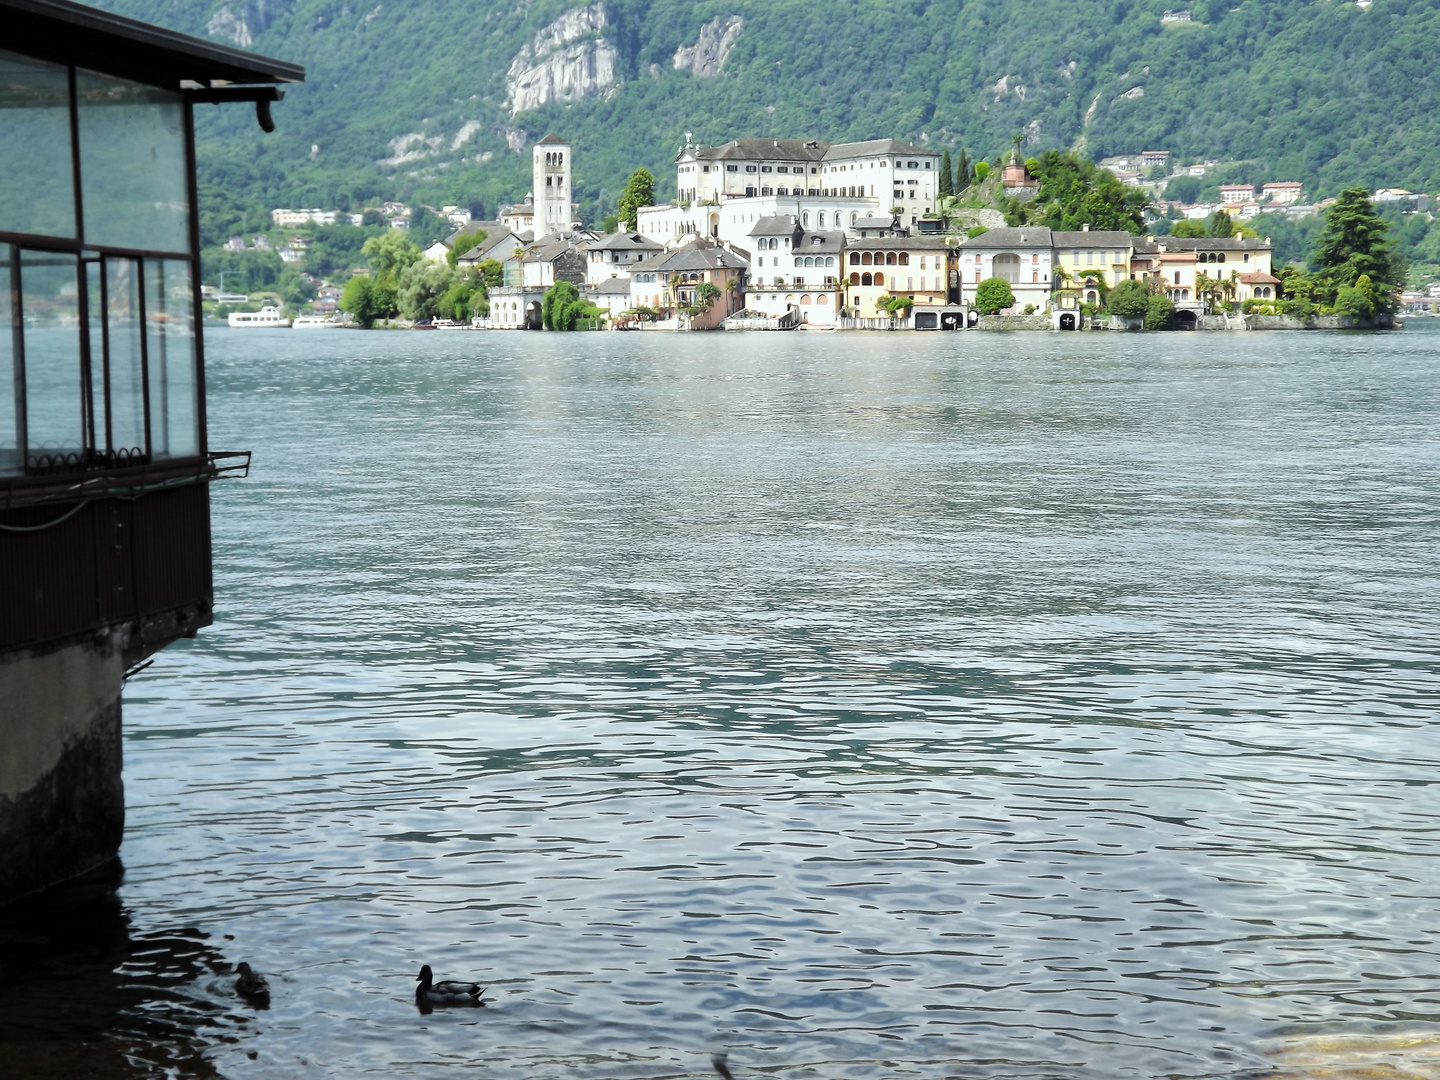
62	803
1038	321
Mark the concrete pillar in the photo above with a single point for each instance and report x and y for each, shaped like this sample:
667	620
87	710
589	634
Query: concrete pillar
62	801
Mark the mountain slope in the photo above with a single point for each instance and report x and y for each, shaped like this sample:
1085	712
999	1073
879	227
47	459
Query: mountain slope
430	100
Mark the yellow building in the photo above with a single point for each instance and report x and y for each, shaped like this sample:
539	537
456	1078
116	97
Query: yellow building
917	267
1093	262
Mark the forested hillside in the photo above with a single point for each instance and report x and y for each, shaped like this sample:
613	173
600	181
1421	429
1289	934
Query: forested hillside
434	100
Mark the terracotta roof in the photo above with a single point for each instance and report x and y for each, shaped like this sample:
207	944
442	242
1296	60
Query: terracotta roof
1259	279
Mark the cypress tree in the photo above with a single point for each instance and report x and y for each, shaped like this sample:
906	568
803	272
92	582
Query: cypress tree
947	182
962	172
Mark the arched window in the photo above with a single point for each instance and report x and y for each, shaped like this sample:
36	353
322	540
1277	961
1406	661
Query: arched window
866	259
890	259
823	300
879	279
805	300
865	279
904	258
1222	256
822	219
805	219
829	260
1091	298
854	279
1007	266
854	217
854	258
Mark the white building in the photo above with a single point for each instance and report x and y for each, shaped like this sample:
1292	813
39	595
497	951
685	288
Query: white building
554	212
289	219
1237	193
1021	257
793	268
614	256
868	178
1283	191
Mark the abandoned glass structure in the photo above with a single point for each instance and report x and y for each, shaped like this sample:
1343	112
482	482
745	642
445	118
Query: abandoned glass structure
104	463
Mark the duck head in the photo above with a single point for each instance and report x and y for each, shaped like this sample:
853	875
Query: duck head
426	976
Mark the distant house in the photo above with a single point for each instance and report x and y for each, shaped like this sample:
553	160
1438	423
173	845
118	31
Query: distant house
1092	261
1410	200
261	242
1175	17
614	256
235	243
499	244
1283	191
791	267
1237	193
868	227
670	280
520	216
290	255
916	267
1150	158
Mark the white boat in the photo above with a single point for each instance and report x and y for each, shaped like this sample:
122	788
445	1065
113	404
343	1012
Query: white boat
267	316
314	322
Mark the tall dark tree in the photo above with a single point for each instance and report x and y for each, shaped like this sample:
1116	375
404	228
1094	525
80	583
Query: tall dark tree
1221	224
639	191
947	181
962	172
1352	244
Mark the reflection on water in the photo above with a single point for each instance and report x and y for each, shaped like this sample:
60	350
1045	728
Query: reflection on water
1009	706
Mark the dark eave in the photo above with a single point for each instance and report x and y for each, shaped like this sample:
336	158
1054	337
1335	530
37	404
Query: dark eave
69	33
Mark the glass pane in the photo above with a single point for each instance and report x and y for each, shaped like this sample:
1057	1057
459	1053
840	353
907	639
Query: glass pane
37	187
10	459
132	164
126	431
170	330
50	305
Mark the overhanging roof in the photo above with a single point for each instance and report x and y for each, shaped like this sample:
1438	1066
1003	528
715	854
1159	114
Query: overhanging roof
68	33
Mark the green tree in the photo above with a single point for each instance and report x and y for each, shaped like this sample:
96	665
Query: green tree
492	272
982	170
639	191
420	288
612	223
1183	189
563	307
360	301
389	254
1129	298
993	295
463	243
1221	225
947	182
1191	230
706	294
1158	312
962	172
1353	244
1074	192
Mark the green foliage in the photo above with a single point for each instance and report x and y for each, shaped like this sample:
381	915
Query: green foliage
1074	192
465	298
563	307
1220	225
706	294
1183	189
993	295
245	271
1159	310
1320	92
1188	229
337	249
420	287
982	170
946	180
389	254
463	243
1352	245
964	172
365	302
899	307
612	223
493	273
639	191
1129	298
976	230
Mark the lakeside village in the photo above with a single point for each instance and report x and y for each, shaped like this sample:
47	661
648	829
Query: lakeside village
786	234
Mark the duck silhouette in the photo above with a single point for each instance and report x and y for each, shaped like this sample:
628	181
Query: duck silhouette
449	992
251	985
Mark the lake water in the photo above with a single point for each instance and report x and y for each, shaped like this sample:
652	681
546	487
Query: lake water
891	705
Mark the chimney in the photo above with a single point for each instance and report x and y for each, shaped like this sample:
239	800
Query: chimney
1085	227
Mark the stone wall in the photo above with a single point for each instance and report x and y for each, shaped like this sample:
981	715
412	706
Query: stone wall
62	802
1038	321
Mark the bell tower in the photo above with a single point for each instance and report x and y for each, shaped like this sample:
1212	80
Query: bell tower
554	212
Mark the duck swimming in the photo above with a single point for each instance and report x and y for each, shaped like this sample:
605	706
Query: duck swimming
448	992
251	984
